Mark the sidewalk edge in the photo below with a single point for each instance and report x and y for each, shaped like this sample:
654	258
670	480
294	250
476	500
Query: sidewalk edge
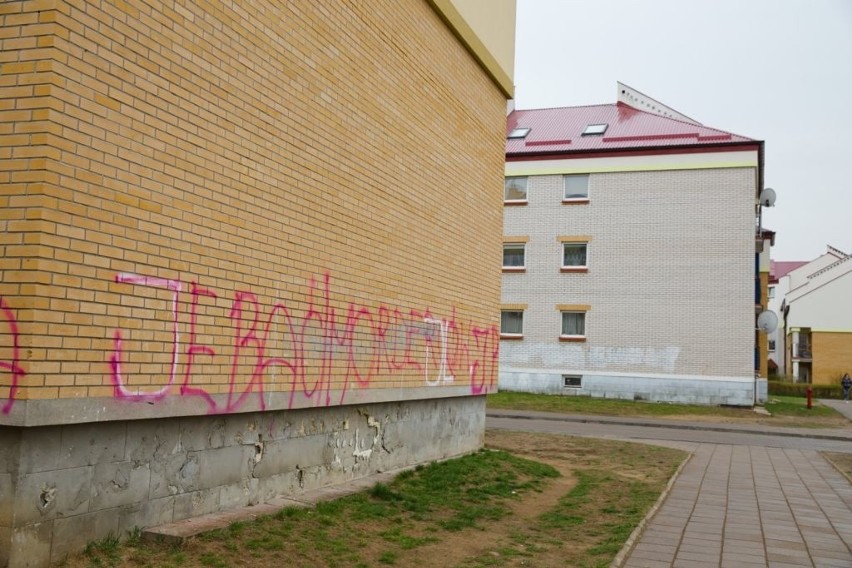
634	537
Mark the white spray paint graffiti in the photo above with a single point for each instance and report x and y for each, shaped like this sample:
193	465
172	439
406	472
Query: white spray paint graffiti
443	376
543	356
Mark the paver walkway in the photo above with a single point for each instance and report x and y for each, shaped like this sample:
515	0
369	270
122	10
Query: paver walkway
744	506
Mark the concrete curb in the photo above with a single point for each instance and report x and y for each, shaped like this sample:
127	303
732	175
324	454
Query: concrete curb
835	466
793	433
634	537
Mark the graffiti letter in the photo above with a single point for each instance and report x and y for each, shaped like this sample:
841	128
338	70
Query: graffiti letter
12	365
115	360
443	375
194	348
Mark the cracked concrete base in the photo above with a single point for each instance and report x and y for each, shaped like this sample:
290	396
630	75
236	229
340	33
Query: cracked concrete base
181	530
62	487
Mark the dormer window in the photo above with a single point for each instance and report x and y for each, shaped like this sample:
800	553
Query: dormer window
595	129
519	133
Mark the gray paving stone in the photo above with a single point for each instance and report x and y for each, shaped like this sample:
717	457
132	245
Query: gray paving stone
744	506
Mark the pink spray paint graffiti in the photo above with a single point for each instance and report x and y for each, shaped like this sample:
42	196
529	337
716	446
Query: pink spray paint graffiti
121	390
317	350
12	365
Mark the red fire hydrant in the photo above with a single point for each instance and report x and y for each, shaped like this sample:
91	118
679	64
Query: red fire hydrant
810	393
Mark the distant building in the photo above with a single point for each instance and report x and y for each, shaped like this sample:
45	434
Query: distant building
778	286
629	254
817	319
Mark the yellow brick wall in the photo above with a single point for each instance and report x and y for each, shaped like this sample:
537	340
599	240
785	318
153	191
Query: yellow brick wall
832	356
152	150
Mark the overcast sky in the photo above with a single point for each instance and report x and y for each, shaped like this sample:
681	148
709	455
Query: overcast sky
774	70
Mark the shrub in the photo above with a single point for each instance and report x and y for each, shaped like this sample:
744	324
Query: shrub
781	388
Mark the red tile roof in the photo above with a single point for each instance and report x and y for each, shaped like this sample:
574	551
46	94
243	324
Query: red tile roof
780	268
560	130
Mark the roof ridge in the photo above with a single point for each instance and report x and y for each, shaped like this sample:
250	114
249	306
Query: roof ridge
830	266
564	107
695	124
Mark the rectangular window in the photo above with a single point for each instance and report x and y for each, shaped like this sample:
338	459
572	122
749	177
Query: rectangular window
575	187
572	381
772	291
595	129
515	189
519	132
513	256
511	323
574	255
772	345
573	324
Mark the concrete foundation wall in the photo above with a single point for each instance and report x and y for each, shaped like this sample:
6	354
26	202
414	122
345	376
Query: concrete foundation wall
685	390
64	486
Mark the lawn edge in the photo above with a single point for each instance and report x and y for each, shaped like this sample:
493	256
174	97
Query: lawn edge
631	541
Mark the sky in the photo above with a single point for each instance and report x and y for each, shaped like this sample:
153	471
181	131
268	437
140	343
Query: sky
773	70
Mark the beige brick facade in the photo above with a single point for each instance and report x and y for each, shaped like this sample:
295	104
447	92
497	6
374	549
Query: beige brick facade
300	199
832	356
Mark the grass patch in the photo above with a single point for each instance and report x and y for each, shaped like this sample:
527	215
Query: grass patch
843	462
784	410
468	511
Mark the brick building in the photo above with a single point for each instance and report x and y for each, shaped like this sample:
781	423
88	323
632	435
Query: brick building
224	268
629	254
816	318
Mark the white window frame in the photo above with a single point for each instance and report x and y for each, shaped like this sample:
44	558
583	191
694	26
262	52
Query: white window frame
511	335
518	133
562	315
574	199
575	266
523	248
526	189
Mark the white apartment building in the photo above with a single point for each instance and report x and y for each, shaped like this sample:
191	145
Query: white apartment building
816	312
629	255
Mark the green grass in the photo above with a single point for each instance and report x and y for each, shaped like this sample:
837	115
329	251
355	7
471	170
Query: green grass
780	407
794	406
466	496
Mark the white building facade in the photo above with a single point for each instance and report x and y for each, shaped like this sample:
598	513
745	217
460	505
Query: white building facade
629	267
817	314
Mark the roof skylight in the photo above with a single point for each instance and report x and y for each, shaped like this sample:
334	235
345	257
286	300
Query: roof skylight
519	133
595	129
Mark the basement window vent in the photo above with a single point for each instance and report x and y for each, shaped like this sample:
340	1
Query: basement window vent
572	381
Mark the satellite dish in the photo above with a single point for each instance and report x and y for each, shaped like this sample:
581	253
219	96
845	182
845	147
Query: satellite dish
767	321
767	197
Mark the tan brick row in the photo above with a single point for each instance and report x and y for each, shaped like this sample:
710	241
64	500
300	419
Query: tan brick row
248	149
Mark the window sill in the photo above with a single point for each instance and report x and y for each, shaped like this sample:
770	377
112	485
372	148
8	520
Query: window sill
575	269
514	269
575	202
516	202
514	336
573	338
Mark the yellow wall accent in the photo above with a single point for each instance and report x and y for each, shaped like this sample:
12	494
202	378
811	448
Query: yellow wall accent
573	307
487	28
